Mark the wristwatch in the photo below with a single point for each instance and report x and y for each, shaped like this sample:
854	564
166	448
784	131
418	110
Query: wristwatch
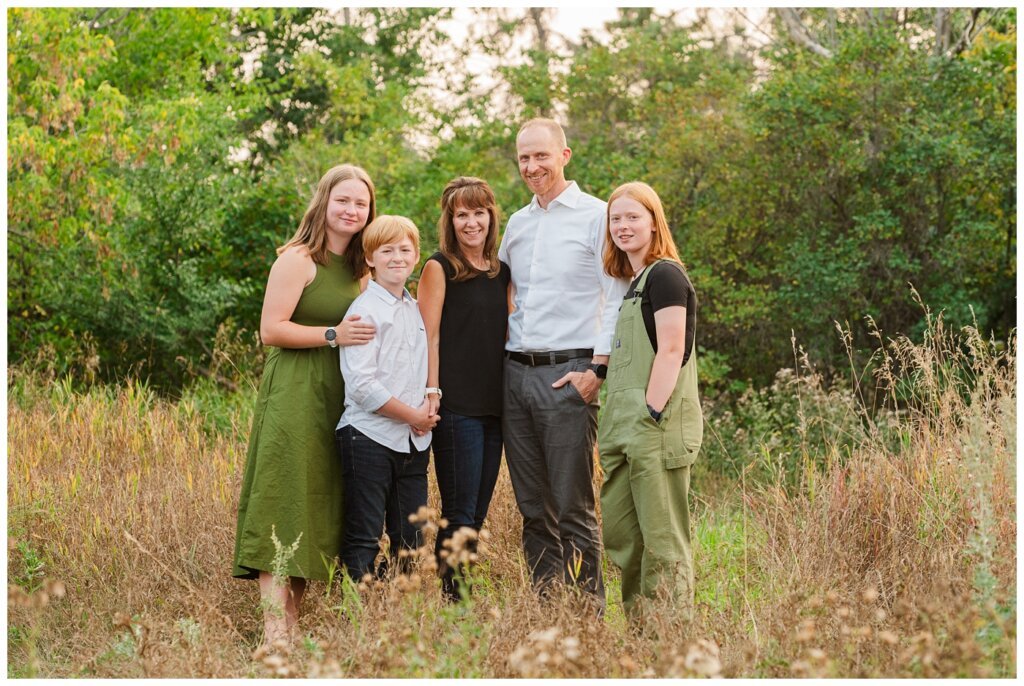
331	335
600	370
433	389
655	415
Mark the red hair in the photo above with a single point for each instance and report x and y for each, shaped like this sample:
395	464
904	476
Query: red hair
616	262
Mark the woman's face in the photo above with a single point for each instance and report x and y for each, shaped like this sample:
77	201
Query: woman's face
471	225
348	207
631	226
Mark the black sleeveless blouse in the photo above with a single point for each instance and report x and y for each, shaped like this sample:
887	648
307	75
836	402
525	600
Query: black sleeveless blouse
474	322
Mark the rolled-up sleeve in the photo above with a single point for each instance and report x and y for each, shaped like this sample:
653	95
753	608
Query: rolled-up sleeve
613	291
359	369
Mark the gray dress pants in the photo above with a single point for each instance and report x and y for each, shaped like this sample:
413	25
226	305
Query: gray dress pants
549	448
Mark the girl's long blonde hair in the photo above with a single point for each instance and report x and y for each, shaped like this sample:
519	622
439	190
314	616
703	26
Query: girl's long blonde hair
312	231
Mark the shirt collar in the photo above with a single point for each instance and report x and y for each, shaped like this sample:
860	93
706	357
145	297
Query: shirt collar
386	295
569	197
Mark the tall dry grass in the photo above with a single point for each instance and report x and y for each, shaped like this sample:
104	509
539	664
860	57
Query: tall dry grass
892	555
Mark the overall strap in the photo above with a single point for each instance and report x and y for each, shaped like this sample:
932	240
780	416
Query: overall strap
643	278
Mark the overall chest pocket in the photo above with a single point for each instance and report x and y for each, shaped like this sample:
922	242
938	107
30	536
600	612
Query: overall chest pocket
622	341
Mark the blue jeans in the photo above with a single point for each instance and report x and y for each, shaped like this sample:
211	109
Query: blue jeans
382	488
467	457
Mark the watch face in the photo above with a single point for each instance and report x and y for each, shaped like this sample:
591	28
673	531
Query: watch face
331	334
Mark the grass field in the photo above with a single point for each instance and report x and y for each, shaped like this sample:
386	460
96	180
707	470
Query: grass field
891	552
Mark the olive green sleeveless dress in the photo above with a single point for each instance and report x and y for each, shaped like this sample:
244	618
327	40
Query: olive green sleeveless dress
292	482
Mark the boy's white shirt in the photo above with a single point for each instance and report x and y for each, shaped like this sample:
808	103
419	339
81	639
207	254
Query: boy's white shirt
392	364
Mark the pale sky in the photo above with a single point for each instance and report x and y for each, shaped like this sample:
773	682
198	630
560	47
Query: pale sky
570	23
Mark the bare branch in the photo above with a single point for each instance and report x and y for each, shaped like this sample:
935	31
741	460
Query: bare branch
209	374
27	237
99	15
96	26
973	29
747	19
799	33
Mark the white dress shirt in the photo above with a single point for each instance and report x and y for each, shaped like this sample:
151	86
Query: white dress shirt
392	364
563	297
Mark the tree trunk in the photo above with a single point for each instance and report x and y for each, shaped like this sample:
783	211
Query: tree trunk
943	30
537	17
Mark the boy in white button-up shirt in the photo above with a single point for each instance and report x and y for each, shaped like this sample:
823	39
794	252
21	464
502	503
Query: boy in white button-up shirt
384	436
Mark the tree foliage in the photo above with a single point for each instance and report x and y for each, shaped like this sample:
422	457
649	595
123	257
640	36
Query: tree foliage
156	157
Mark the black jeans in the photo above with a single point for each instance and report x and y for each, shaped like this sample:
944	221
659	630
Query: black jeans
467	457
382	488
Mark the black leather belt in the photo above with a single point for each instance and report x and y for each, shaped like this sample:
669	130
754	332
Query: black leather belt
552	357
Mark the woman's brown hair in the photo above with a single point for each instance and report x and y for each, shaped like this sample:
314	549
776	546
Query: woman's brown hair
616	262
468	192
312	231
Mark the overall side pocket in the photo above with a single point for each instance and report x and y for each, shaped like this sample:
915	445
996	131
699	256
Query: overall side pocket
684	432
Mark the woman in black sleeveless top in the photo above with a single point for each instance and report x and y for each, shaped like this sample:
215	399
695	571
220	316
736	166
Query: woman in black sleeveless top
463	299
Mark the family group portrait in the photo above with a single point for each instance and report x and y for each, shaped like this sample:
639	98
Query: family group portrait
511	342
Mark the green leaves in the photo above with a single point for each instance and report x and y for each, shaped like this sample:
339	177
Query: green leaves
156	157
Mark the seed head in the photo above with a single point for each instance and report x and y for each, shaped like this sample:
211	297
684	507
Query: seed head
702	658
805	632
56	588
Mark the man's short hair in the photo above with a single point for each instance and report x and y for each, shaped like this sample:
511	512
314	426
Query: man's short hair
389	228
552	126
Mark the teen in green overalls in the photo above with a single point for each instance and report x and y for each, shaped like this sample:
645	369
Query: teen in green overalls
652	425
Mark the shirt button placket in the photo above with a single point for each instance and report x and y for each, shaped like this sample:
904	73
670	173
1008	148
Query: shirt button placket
536	274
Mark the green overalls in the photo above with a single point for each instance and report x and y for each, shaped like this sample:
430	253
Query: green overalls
645	494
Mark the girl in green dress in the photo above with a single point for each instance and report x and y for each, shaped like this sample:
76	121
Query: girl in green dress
290	509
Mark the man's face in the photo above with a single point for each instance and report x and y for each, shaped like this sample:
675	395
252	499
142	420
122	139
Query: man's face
541	160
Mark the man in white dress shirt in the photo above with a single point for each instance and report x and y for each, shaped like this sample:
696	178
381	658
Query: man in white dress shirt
560	335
